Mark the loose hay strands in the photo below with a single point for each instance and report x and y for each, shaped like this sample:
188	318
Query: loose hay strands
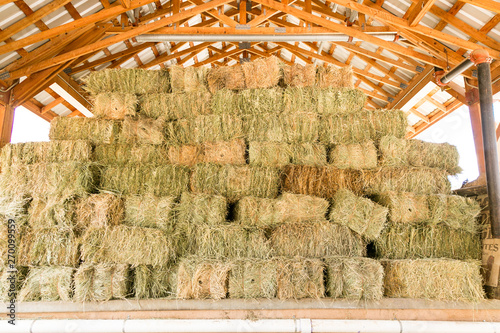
115	105
188	79
316	240
100	211
53	211
405	207
133	81
125	153
142	131
165	180
262	73
150	211
48	284
92	129
299	76
153	281
300	278
364	126
222	77
195	210
354	156
127	245
101	282
253	278
14	207
406	241
235	182
202	278
439	279
336	77
175	106
354	278
360	214
225	152
455	211
279	154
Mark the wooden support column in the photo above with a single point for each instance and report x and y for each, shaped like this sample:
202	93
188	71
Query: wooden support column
6	118
472	97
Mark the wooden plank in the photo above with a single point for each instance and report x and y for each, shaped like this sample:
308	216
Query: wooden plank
419	11
491	5
125	3
32	105
6	118
166	57
416	84
52	104
218	57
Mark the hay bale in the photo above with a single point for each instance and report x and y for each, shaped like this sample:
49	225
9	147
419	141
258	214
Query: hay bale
124	153
115	105
297	99
361	215
256	212
101	282
14	207
164	180
253	278
299	76
262	73
225	152
225	101
235	182
335	77
364	126
54	211
439	279
455	211
279	154
202	278
10	235
188	79
393	151
356	156
406	241
175	106
308	154
300	278
257	101
133	81
100	211
316	240
405	207
195	210
94	130
149	211
354	278
142	131
187	155
127	245
48	284
321	181
153	281
11	281
222	77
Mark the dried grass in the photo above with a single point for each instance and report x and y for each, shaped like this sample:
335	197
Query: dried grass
262	73
195	210
153	281
150	211
14	207
187	155
142	131
102	282
48	284
94	130
11	281
354	156
405	207
222	77
175	106
115	105
279	154
225	152
100	211
455	211
125	153
188	79
54	211
300	278
335	77
253	278
202	278
299	76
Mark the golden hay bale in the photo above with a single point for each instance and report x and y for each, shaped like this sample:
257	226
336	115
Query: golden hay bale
188	79
54	211
115	105
153	281
100	211
195	210
354	278
222	77
125	153
316	240
249	101
187	155
225	152
11	281
48	284
94	130
439	279
142	131
101	282
455	211
253	278
405	207
262	73
258	212
299	76
150	211
202	278
335	77
300	278
175	106
357	156
360	214
134	81
235	182
406	241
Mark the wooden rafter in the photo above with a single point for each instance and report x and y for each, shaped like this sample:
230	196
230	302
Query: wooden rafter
419	11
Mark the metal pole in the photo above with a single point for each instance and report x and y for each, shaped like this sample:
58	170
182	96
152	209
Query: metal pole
461	67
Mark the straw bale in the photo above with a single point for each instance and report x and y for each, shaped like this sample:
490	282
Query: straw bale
300	278
11	281
188	79
124	153
225	152
48	284
115	105
165	180
150	211
195	210
187	155
14	183
361	215
153	281
438	279
406	241
354	278
262	73
336	101
364	126
101	282
455	211
335	77
175	106
297	75
253	278
202	278
142	131
93	129
316	239
100	211
405	207
357	156
222	77
235	182
54	211
134	81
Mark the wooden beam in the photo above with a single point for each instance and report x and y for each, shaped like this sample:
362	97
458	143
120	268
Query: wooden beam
166	57
491	5
6	118
218	57
125	3
35	107
416	84
419	11
52	104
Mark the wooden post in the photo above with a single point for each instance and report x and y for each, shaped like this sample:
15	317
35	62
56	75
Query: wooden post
6	118
472	97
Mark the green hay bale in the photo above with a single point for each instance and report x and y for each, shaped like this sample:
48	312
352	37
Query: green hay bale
298	127
133	81
321	181
142	131
364	126
150	211
153	281
253	278
299	76
54	211
195	210
300	278
211	128
335	77
188	79
393	151
127	245
257	101
101	282
406	241
48	284
115	105
124	153
405	207
438	279
361	215
455	211
256	212
94	130
175	106
225	101
262	73
316	240
416	180
11	281
225	152
308	154
354	278
100	211
165	180
202	279
224	77
331	101
235	182
354	156
296	100
279	154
